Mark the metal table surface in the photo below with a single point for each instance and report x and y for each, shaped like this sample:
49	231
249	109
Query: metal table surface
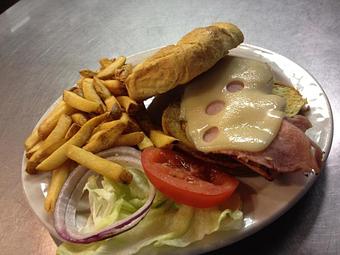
43	43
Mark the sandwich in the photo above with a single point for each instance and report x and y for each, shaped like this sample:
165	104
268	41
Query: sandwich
227	110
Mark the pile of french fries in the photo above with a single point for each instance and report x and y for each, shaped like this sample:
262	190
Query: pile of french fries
94	115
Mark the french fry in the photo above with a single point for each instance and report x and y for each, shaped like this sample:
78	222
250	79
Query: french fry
105	62
39	156
89	91
79	83
129	105
79	139
161	140
116	111
86	73
80	103
52	118
107	125
33	149
79	118
145	143
91	115
123	72
109	102
144	121
77	91
105	138
109	71
100	129
95	134
32	139
100	165
115	87
57	134
114	107
102	91
73	129
59	176
131	139
130	122
132	125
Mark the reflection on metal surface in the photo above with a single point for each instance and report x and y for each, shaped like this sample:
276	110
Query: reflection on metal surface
20	24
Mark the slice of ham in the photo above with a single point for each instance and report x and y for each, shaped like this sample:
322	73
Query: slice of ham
300	121
290	151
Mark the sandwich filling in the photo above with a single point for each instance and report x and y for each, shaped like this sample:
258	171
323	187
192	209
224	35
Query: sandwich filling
232	107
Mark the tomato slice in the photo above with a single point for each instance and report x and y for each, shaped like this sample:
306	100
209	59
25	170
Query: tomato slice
187	180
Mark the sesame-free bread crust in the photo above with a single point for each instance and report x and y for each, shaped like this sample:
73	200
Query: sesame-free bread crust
178	64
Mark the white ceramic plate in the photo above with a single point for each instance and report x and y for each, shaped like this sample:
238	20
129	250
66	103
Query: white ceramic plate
265	201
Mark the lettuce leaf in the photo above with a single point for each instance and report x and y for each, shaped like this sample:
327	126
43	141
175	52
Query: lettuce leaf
166	224
111	201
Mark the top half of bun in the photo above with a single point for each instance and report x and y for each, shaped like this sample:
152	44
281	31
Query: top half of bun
178	64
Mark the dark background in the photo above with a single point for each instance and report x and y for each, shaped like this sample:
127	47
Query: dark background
5	4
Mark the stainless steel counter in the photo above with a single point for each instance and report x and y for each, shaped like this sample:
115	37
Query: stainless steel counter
43	43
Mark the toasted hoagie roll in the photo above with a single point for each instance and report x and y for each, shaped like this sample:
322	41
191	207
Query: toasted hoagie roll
177	64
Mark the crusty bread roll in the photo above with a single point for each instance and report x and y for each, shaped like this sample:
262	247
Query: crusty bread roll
178	64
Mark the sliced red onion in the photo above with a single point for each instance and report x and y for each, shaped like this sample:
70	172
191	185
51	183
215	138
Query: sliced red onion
71	193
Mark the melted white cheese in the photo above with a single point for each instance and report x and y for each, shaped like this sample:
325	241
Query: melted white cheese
250	118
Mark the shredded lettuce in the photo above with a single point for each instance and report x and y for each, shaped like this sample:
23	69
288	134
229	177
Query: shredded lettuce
111	201
166	224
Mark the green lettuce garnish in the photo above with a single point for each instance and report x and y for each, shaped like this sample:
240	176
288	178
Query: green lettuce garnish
166	224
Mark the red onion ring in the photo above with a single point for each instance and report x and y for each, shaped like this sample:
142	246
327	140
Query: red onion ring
65	210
